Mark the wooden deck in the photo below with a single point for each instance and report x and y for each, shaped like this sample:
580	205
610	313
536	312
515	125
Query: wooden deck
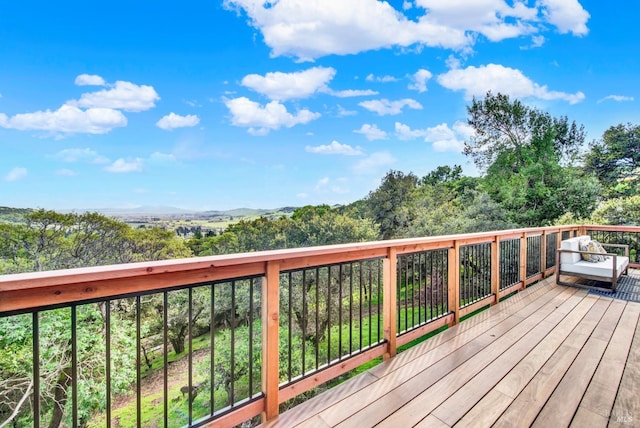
550	356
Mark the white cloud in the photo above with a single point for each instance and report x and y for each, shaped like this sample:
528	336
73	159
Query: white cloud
322	182
567	15
404	132
80	155
67	119
309	29
381	79
173	121
64	172
536	42
89	80
326	185
17	173
419	80
476	81
375	163
162	158
494	19
352	93
94	113
335	148
372	132
286	86
260	120
343	112
123	96
442	137
123	166
618	98
385	107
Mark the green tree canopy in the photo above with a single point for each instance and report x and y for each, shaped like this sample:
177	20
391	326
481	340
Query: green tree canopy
391	204
524	153
615	160
502	124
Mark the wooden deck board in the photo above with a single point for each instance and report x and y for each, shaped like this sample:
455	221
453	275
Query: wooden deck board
595	407
549	356
513	379
626	410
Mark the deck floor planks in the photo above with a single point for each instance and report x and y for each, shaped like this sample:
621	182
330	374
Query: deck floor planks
534	369
626	410
434	364
343	396
597	402
492	405
415	410
526	406
527	361
563	403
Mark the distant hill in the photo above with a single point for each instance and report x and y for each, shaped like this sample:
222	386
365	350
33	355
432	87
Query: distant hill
250	212
16	215
13	215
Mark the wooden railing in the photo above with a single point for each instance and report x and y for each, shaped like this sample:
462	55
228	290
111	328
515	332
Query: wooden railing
289	319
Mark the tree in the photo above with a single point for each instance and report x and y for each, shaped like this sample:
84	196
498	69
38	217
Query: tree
16	371
618	211
615	160
390	204
523	152
504	125
322	225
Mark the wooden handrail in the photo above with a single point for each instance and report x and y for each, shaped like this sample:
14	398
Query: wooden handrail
32	291
38	289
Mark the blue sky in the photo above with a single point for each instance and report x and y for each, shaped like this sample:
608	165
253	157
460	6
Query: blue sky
247	103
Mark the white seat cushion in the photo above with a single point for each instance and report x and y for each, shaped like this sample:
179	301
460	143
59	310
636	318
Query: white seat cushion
603	269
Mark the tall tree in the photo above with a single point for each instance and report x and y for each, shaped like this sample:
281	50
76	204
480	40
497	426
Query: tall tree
390	204
615	160
502	124
525	153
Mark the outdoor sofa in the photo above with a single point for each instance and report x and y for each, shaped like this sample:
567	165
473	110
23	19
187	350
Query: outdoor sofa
573	260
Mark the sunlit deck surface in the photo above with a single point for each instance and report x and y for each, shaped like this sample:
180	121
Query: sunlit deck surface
550	356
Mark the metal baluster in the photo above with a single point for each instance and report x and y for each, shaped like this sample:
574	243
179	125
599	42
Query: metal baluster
317	279
212	348
251	283
233	342
138	374
107	371
340	311
165	356
190	356
361	297
303	288
328	315
351	308
36	369
290	326
74	365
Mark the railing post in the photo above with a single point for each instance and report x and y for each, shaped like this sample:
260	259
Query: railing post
389	301
543	254
454	281
270	340
495	268
523	260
